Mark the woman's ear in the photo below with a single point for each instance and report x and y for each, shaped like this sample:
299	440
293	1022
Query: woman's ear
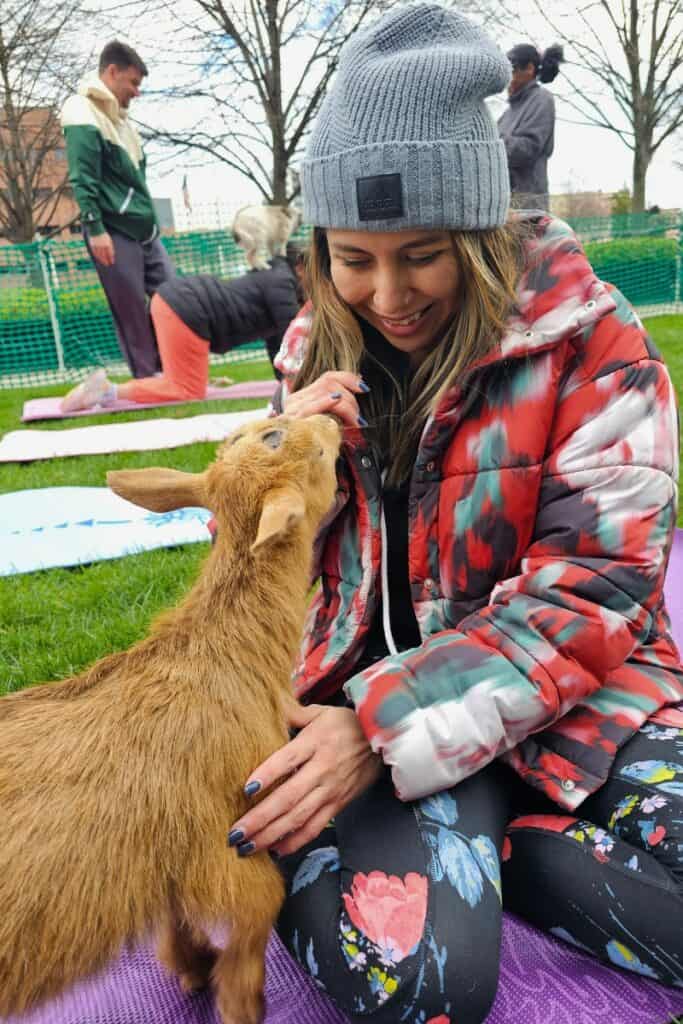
159	490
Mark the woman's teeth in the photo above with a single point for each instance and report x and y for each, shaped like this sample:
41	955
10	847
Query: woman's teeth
407	320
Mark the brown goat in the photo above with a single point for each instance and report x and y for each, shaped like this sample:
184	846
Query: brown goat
117	786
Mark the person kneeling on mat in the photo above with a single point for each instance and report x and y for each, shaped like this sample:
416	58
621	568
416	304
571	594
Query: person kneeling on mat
190	311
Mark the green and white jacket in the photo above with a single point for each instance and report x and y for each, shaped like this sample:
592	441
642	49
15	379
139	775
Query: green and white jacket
106	164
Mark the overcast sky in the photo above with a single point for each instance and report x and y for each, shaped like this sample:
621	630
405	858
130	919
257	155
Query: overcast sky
585	159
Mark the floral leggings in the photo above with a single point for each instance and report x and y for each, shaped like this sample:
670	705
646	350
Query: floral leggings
395	910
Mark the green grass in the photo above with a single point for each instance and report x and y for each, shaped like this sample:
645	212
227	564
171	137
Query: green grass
54	623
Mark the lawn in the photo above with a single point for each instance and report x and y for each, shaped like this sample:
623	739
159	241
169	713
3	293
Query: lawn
54	623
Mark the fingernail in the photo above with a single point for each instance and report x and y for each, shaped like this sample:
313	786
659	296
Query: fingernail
252	787
235	836
244	849
335	395
363	386
362	422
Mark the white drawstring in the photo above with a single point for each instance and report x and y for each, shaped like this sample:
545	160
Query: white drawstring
384	573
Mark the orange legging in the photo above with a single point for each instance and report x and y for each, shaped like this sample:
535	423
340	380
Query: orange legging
184	361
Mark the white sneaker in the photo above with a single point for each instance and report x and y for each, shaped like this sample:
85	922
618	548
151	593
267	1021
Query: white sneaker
88	393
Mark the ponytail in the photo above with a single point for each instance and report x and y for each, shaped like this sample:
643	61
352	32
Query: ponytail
549	67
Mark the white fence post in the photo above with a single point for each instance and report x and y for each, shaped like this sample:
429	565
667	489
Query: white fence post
52	305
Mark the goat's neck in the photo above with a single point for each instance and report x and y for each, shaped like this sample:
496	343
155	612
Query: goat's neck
244	595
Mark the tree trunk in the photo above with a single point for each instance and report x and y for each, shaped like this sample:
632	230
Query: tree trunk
279	169
641	162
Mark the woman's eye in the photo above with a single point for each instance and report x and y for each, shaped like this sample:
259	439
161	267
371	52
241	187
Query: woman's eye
355	263
426	258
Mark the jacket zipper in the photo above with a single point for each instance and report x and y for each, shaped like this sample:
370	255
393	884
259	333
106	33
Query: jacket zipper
126	202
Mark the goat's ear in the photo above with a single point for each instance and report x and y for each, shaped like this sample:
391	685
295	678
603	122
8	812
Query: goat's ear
159	490
283	508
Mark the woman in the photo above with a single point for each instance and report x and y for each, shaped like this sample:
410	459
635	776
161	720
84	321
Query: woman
487	674
198	314
528	125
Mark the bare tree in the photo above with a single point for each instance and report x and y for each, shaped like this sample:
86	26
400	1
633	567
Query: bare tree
632	52
258	70
37	67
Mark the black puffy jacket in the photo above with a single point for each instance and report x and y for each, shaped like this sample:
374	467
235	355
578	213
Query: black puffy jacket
260	304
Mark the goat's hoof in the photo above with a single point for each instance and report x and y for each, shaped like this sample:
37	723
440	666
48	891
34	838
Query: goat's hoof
241	1009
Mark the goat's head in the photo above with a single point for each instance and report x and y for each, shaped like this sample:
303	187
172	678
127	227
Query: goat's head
268	477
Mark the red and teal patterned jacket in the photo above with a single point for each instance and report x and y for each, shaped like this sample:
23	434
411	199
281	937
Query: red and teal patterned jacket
541	513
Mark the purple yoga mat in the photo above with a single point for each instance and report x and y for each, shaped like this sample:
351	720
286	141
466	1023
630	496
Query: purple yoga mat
48	408
542	981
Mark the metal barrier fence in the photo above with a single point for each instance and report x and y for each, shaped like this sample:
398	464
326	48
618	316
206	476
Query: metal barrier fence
55	323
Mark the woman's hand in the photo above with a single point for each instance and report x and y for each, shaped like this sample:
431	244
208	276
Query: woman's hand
333	392
322	769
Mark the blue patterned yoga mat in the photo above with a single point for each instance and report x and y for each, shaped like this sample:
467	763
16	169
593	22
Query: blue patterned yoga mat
62	526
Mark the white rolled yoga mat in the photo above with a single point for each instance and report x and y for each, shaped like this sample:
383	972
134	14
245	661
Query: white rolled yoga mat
136	436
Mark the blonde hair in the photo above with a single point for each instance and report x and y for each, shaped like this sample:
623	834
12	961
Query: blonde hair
490	266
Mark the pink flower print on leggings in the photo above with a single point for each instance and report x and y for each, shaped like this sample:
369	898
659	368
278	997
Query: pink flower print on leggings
389	911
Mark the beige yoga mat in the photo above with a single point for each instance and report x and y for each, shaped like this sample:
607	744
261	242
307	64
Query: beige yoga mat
137	436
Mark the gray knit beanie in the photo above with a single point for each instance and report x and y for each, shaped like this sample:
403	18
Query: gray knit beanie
404	138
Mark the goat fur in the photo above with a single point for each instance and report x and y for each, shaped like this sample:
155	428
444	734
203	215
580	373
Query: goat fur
118	785
263	232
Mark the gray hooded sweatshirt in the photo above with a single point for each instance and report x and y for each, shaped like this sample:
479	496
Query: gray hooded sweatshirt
527	128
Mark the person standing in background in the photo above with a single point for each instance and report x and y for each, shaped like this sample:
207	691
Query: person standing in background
527	127
107	173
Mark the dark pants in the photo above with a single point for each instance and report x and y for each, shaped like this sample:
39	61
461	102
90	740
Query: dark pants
137	272
396	908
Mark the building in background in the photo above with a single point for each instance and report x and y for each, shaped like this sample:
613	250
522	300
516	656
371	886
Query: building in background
34	155
568	205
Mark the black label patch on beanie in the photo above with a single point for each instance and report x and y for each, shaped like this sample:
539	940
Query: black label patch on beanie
379	197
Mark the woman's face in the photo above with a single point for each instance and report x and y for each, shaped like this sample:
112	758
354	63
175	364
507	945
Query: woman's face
405	283
521	76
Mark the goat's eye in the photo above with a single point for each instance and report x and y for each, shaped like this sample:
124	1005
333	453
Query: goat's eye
273	438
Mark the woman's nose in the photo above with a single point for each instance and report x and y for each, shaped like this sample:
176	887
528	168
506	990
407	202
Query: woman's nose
391	292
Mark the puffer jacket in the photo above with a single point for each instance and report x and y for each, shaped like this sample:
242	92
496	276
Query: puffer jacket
259	304
541	512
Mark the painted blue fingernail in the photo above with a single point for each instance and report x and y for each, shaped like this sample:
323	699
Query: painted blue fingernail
235	836
244	849
362	422
335	394
252	787
363	386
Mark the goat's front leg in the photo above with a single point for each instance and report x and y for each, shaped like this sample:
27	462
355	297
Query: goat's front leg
186	953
